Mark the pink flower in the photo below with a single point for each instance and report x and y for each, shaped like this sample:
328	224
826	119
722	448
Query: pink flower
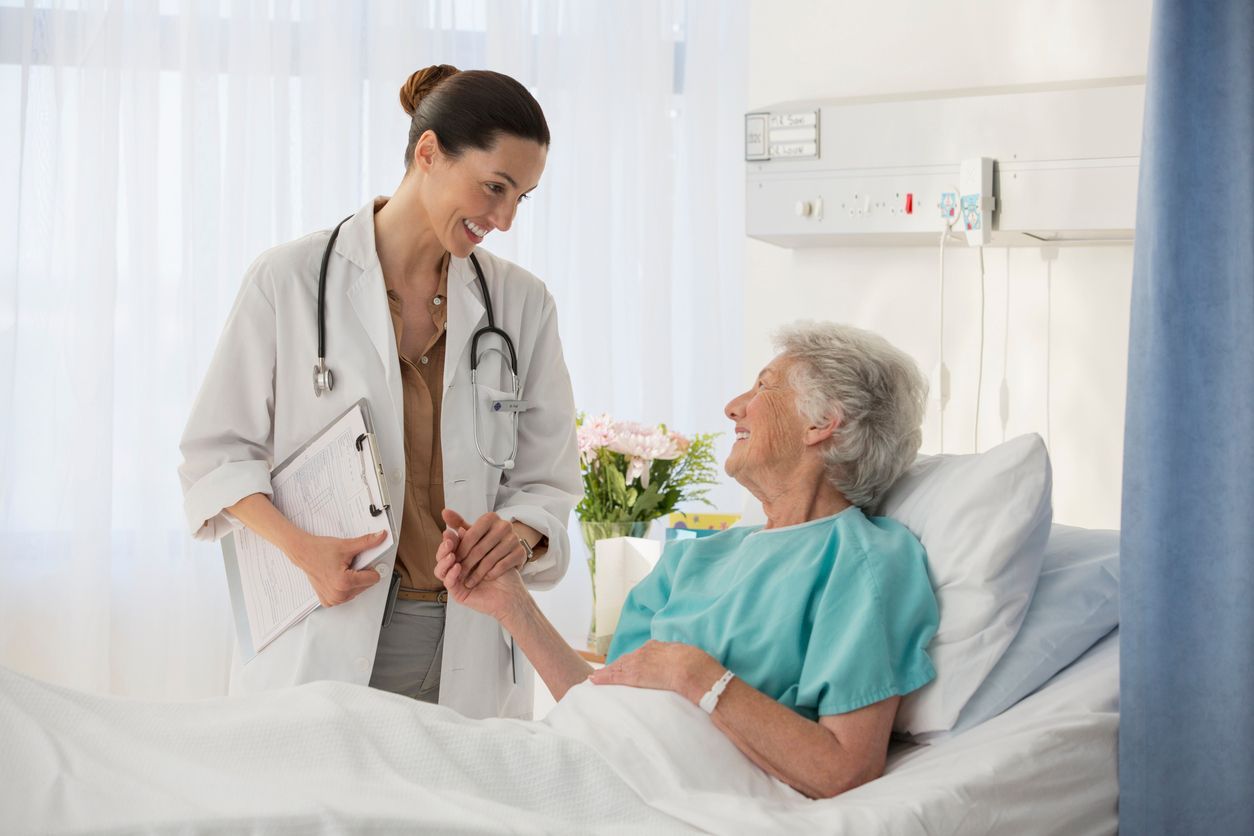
643	444
638	469
641	441
593	434
639	446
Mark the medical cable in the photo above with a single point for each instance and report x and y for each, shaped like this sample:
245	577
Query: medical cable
942	383
1003	393
1049	344
979	374
942	373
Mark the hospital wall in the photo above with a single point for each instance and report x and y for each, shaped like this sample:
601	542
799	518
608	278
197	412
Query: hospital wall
1055	319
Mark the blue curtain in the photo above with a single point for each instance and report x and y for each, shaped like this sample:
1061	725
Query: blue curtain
1186	739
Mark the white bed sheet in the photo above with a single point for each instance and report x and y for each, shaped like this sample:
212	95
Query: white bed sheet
342	758
1048	765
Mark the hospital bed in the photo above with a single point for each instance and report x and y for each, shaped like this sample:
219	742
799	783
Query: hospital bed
336	757
1016	735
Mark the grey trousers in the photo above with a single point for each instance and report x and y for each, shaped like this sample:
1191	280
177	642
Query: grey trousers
411	648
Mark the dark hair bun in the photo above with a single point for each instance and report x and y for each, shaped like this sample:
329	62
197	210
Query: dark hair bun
421	83
469	109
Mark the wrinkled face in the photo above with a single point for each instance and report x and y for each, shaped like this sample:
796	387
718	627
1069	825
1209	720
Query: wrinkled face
770	432
469	197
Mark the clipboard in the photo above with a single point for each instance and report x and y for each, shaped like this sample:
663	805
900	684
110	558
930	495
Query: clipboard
333	485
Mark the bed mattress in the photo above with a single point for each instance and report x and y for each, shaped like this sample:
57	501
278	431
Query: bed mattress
333	757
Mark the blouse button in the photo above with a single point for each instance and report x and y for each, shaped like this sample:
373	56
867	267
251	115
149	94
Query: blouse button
424	360
439	300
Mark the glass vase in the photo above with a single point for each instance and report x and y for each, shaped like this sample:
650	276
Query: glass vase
593	531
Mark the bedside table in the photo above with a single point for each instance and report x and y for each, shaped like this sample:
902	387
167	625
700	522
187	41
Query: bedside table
590	655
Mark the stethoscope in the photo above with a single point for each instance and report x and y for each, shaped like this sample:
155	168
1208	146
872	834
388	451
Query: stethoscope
324	379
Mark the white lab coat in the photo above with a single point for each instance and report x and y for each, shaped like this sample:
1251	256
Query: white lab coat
257	405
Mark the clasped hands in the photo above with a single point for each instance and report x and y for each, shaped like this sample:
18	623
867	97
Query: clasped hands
478	564
498	591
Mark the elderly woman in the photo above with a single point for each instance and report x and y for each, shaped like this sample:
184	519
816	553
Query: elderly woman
799	637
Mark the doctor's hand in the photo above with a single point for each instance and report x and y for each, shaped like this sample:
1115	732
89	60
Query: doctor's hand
328	563
494	596
487	549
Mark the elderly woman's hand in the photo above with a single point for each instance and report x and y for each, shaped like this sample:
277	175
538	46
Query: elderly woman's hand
663	666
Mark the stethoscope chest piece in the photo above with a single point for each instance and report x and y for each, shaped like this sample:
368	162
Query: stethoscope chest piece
323	378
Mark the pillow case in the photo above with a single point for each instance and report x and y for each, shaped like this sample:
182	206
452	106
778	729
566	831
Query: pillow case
1076	603
983	519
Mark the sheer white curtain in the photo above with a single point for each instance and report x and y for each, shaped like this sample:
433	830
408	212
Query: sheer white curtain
149	150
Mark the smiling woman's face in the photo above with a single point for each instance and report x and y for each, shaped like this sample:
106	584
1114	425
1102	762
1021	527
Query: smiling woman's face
470	196
769	429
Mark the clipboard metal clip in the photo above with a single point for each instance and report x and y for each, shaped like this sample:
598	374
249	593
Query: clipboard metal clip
374	466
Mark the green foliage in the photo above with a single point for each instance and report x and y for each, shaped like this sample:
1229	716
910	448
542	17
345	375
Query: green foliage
609	498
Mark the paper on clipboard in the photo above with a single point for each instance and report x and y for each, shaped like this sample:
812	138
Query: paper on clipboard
332	487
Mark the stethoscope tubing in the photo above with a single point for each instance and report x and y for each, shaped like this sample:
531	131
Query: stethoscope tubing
324	381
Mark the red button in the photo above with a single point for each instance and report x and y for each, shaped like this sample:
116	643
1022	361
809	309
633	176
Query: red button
909	203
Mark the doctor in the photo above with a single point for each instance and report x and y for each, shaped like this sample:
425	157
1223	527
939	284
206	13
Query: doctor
404	304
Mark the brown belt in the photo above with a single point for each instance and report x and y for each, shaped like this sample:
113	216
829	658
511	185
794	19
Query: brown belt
439	596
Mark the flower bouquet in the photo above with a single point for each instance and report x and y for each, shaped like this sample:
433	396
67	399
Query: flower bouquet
634	473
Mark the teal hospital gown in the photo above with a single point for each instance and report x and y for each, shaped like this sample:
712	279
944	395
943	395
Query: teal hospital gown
826	617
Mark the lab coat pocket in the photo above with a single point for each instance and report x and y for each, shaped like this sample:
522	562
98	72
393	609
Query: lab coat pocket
496	423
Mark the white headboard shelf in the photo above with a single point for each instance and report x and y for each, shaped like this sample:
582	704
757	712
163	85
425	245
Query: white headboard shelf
872	171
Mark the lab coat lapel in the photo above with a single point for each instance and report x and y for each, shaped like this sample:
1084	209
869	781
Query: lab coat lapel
367	294
369	301
465	315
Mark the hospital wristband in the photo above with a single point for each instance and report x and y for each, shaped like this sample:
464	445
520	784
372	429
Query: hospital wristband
710	701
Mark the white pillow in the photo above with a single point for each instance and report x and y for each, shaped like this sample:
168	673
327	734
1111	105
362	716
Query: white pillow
1076	603
984	520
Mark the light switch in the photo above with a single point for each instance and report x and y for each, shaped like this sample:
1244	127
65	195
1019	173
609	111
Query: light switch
755	137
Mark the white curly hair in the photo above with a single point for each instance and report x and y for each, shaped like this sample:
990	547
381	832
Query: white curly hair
874	389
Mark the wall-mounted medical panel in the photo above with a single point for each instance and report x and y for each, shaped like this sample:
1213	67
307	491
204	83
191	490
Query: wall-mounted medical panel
782	135
886	171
